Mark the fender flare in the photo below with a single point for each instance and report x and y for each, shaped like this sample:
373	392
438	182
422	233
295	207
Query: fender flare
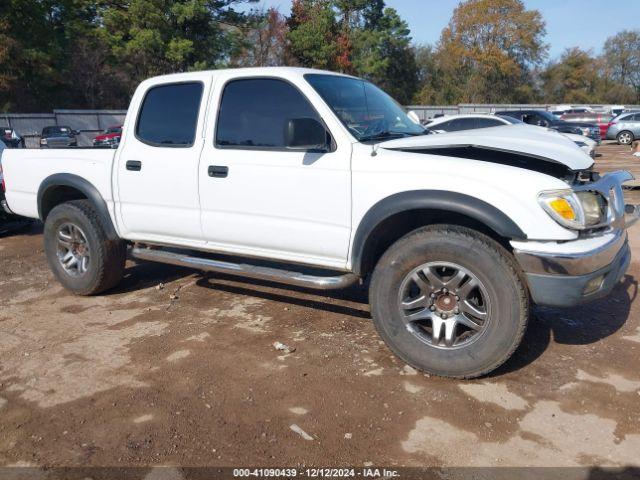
460	203
87	189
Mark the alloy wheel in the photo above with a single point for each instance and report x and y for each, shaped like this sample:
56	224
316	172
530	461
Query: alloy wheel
444	305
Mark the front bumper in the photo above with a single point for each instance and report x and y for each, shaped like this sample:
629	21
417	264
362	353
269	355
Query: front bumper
563	274
564	279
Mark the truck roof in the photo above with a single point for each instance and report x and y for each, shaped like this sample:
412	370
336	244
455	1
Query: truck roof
283	72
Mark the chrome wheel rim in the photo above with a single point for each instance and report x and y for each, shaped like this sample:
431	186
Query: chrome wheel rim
625	138
73	250
444	305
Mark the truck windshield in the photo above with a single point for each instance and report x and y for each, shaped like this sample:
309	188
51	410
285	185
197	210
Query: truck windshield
368	112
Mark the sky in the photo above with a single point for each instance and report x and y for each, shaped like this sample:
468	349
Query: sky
570	23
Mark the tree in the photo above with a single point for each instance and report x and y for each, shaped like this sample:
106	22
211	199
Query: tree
312	33
488	50
382	54
621	56
572	79
265	41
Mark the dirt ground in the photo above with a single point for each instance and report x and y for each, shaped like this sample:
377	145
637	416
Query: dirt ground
179	368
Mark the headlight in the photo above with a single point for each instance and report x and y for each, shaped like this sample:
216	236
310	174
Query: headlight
586	131
43	141
575	210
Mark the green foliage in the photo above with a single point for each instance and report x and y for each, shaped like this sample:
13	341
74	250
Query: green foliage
359	37
621	58
313	33
92	53
383	55
487	53
572	79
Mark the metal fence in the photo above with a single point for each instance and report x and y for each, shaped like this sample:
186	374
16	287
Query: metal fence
91	122
88	122
429	111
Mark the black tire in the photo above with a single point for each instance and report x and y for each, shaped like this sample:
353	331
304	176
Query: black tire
625	137
491	264
107	257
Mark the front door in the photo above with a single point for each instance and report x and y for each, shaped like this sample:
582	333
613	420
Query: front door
259	198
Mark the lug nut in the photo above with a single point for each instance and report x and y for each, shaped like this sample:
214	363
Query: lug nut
432	308
444	316
444	290
433	295
457	298
457	310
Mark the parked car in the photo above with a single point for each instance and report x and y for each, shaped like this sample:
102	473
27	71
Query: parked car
560	110
58	137
454	123
109	138
455	234
542	118
10	138
600	119
624	128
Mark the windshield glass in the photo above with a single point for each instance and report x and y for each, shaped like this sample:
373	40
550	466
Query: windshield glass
548	116
513	120
368	112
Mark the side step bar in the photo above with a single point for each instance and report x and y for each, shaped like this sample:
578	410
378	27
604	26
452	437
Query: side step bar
246	270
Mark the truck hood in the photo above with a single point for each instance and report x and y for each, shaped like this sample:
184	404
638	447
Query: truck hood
509	144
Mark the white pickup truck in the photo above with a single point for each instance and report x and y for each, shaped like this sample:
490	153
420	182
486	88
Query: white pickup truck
326	178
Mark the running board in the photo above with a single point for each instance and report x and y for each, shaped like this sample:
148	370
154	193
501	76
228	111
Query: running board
246	270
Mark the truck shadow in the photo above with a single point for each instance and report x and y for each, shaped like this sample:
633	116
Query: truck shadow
329	301
582	325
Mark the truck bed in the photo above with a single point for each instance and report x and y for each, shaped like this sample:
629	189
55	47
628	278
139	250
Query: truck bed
25	170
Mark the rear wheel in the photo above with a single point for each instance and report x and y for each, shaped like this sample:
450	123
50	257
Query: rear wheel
79	253
449	301
625	138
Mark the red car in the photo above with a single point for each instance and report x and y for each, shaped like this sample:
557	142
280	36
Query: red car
601	119
109	138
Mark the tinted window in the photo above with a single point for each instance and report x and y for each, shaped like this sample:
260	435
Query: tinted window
169	114
254	112
442	126
636	118
462	124
487	122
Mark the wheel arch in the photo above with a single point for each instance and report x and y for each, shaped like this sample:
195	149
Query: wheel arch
395	216
63	187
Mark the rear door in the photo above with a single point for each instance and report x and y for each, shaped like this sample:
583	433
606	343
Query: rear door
157	167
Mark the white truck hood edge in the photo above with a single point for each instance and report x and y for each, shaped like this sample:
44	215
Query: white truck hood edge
542	144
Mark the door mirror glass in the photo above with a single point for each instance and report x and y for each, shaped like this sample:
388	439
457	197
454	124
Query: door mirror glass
306	134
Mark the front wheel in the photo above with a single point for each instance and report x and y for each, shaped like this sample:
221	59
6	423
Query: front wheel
79	253
449	301
625	138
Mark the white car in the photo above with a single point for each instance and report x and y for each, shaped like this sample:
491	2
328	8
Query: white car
456	235
451	123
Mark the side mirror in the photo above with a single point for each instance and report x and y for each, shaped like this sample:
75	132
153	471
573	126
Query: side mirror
413	116
76	132
306	134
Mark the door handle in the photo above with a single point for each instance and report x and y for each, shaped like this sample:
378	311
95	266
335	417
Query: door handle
218	171
134	165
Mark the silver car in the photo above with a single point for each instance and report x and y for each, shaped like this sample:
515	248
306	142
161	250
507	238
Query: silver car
624	128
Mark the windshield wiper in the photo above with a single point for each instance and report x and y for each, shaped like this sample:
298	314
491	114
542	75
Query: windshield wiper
382	135
388	134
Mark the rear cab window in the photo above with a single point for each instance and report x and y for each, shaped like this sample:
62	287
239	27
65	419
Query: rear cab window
169	113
